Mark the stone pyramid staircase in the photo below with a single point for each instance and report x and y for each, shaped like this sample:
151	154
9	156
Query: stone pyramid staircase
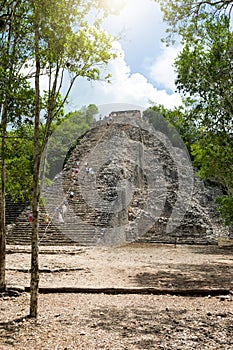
129	195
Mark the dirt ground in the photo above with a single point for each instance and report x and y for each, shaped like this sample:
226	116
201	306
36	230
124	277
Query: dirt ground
121	321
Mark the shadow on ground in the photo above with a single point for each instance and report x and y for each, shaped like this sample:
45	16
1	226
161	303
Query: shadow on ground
188	276
151	329
213	250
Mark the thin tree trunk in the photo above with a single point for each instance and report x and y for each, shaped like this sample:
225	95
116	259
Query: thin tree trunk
34	285
3	205
3	112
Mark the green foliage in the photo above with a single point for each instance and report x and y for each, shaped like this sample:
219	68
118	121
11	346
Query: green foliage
89	113
16	95
211	152
19	162
205	74
204	77
70	46
65	134
19	149
225	206
174	124
66	46
186	17
58	108
68	43
54	38
16	99
213	156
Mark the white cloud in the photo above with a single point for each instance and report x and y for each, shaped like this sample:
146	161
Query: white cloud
162	69
141	28
132	83
125	88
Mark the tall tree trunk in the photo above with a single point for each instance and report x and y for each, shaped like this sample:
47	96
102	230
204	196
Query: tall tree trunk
34	285
3	205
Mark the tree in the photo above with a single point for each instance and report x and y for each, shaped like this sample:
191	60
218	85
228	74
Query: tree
205	73
213	157
13	54
183	16
19	149
19	162
212	154
174	124
63	41
204	77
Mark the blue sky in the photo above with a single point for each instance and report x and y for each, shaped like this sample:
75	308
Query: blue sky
144	72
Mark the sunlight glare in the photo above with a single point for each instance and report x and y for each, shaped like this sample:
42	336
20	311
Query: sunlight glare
114	5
